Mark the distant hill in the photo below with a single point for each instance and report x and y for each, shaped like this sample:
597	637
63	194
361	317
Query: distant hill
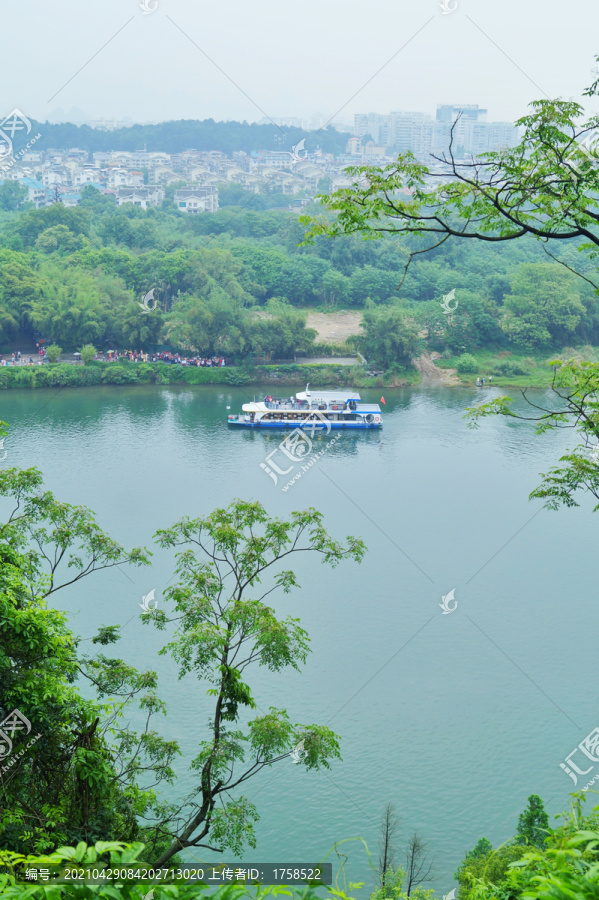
186	134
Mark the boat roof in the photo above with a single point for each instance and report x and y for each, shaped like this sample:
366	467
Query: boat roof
255	406
339	394
259	406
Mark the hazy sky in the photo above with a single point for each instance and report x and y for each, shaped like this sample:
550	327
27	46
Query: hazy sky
291	58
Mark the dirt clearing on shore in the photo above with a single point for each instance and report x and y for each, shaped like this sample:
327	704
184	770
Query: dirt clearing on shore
431	373
335	327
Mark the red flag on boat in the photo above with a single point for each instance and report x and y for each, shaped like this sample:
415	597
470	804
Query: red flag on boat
383	401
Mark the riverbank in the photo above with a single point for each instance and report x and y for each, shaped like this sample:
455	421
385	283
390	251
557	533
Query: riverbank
129	373
512	370
506	369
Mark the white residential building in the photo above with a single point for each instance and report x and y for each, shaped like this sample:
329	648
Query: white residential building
55	175
152	195
81	175
192	199
118	177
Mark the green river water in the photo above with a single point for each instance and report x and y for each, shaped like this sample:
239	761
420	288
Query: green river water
454	718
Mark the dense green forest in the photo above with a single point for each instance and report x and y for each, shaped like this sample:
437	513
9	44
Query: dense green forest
176	136
240	283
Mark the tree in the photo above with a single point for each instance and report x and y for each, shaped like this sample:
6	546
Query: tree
79	780
93	199
86	778
224	628
475	323
12	195
377	285
467	363
334	288
546	186
299	278
33	222
575	388
53	352
387	850
88	352
8	325
544	308
533	823
234	194
212	325
59	237
282	334
388	337
483	846
20	287
392	888
419	863
483	864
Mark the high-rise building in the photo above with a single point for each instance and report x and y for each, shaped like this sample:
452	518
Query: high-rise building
450	112
466	126
411	131
378	127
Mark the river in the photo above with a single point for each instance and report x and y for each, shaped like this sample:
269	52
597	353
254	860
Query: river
454	718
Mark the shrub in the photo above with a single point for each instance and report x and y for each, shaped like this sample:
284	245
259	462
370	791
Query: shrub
509	368
53	351
467	363
88	352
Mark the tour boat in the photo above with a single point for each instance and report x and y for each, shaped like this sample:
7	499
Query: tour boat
310	409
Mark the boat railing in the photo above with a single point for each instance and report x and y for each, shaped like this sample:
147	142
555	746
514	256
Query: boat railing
304	406
286	404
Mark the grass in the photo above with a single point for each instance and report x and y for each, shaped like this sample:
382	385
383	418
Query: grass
538	373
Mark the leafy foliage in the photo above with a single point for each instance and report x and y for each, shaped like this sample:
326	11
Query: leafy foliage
533	824
467	363
224	627
87	775
576	394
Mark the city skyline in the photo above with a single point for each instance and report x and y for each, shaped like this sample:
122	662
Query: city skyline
310	122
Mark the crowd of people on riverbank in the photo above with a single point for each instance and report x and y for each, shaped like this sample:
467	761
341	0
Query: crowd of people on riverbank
177	359
167	357
17	359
